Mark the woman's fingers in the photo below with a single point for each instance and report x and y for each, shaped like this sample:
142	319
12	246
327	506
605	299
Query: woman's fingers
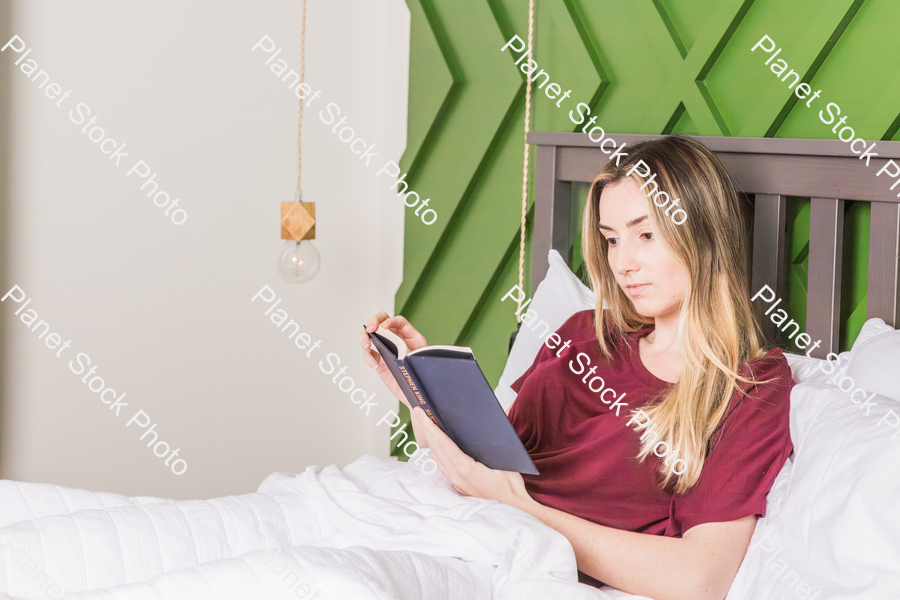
364	340
405	330
398	325
376	320
371	358
469	477
460	491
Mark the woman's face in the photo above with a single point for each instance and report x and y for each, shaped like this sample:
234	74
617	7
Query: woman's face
653	280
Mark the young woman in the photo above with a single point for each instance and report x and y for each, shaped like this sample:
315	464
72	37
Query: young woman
679	340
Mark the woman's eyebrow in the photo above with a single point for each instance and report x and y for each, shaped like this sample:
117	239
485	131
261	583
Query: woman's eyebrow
629	224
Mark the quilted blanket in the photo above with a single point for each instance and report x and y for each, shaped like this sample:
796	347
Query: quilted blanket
376	529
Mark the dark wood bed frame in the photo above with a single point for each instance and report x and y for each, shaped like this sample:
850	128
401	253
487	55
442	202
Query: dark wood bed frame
768	170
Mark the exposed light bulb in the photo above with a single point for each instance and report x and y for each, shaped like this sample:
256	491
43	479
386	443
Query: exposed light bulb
298	261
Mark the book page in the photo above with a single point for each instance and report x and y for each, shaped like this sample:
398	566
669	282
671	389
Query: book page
459	349
402	349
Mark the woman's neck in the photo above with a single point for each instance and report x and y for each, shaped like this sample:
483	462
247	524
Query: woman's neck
660	350
664	337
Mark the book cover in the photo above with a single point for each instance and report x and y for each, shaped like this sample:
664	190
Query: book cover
448	384
411	387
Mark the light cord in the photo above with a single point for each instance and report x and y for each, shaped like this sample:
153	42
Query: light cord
525	164
302	79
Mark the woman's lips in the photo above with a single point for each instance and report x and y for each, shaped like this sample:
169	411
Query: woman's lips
636	289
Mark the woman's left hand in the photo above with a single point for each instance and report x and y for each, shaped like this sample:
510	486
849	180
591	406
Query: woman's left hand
469	477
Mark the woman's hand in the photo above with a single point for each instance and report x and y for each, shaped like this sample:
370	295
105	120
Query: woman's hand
469	477
405	331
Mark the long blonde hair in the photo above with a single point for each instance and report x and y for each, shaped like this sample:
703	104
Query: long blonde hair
717	326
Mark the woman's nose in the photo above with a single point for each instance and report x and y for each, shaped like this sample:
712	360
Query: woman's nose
625	259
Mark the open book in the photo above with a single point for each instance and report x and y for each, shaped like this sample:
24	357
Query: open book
448	384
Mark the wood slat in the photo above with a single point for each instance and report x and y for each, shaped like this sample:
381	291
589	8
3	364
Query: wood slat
883	296
823	300
805	176
743	145
544	184
768	252
562	219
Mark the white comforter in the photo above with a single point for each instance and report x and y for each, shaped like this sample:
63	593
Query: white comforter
376	529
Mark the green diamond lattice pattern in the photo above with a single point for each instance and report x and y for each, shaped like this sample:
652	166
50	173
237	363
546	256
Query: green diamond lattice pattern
643	66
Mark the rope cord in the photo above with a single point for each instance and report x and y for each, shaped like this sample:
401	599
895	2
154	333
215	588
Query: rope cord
302	78
525	162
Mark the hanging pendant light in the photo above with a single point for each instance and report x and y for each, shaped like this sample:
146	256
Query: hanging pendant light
299	259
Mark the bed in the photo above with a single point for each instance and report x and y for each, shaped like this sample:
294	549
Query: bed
387	530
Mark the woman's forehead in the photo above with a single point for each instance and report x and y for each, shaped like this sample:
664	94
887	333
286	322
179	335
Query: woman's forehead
621	200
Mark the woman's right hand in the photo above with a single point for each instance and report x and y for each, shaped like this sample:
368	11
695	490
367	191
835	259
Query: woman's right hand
400	326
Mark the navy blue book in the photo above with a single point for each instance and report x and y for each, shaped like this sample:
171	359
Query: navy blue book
448	384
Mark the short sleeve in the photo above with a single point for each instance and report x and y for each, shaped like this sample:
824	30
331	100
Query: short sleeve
574	325
748	452
543	354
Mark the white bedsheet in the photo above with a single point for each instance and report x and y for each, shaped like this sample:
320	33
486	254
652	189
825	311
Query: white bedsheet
376	529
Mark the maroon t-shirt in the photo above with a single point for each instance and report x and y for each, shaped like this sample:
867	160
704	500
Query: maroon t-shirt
587	455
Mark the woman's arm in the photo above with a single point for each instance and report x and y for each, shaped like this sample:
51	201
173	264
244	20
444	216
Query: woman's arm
698	566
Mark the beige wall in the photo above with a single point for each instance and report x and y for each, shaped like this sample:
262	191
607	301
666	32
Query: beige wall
5	150
162	310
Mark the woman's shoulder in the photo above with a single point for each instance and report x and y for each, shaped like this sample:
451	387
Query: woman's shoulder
761	411
579	325
771	390
771	366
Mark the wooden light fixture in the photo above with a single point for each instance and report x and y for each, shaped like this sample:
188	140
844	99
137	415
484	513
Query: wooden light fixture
299	260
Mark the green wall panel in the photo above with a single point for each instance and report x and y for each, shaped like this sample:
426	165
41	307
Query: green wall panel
567	58
644	66
748	93
430	83
460	151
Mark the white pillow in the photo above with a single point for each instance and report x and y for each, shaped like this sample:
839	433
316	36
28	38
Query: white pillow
870	329
830	515
875	362
558	296
807	369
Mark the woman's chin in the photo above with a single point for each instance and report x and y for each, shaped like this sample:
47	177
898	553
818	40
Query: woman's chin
646	309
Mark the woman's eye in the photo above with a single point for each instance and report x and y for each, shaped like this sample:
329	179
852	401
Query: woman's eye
612	241
648	235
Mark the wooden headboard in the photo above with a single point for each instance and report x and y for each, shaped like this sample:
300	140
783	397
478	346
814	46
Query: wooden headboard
768	170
